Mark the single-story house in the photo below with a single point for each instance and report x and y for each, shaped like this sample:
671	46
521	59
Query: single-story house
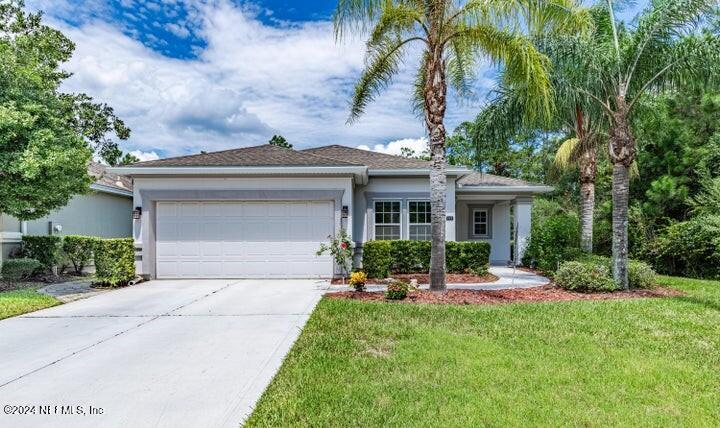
262	212
105	211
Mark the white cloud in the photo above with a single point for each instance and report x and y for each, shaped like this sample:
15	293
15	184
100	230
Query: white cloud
249	82
145	156
417	145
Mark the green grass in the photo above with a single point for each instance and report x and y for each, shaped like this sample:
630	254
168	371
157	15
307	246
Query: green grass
18	302
641	362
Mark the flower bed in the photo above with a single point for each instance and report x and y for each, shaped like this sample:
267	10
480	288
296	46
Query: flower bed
547	293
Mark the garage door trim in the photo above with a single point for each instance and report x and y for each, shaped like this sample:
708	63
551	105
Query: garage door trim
151	197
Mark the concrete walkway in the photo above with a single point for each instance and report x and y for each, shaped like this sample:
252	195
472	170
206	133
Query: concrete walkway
195	353
507	279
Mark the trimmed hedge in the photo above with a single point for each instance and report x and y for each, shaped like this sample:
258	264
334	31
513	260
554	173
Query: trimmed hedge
380	258
18	269
45	249
114	261
376	259
79	250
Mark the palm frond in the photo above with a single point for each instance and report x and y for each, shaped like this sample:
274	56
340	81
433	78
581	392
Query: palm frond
460	67
356	15
566	154
382	63
394	20
663	22
524	66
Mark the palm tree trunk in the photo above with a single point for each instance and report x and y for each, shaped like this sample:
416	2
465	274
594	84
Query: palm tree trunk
622	155
588	167
434	96
620	196
587	195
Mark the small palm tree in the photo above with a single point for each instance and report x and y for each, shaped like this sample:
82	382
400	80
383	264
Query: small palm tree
453	35
667	48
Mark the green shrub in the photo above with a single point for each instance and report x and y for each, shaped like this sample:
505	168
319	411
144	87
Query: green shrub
380	258
376	258
397	290
584	277
476	256
19	269
554	236
114	261
641	275
45	249
79	250
689	248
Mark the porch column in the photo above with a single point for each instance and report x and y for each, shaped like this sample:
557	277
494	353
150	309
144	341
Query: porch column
450	210
523	218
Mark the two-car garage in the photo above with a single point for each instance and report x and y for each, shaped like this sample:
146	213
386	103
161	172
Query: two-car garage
242	239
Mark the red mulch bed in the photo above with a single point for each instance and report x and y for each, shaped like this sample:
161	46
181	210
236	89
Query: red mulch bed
547	293
424	278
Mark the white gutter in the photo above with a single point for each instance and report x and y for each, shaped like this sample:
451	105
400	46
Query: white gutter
494	189
416	171
360	172
110	189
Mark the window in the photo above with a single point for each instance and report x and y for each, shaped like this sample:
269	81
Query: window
419	213
481	223
387	220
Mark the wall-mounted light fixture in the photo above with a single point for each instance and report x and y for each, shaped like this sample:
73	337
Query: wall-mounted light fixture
345	211
137	213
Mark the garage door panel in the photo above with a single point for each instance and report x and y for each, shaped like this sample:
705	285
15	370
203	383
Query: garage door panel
243	239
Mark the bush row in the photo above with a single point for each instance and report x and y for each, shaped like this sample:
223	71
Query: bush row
381	258
114	258
594	273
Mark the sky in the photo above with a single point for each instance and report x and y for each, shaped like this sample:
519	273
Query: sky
192	75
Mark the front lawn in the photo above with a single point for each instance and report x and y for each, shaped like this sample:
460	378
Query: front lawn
18	302
652	362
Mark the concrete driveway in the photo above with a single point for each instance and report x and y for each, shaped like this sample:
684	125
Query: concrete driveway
163	353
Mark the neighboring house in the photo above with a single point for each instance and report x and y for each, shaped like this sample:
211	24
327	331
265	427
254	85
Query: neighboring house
106	212
262	212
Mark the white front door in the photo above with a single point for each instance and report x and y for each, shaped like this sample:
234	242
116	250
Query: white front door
243	239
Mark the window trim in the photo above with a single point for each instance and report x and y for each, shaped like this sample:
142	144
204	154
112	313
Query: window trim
409	224
488	221
375	223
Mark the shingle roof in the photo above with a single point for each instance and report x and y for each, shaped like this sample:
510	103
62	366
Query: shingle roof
104	178
372	160
265	155
483	179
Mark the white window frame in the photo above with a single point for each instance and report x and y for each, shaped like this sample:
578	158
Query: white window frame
415	224
400	216
473	223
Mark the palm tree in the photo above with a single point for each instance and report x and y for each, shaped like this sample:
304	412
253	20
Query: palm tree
453	35
665	49
574	115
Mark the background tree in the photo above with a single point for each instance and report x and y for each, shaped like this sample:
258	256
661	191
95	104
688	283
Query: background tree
47	137
452	35
280	141
663	50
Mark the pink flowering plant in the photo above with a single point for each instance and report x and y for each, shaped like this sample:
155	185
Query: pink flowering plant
340	248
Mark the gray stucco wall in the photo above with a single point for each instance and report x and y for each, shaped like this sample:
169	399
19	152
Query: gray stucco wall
95	214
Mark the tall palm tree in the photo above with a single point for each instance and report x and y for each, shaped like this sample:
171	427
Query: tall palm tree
667	48
452	35
574	115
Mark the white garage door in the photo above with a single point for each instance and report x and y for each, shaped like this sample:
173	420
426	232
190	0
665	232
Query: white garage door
243	239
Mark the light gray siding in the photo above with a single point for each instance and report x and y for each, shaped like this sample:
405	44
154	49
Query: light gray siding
95	214
499	238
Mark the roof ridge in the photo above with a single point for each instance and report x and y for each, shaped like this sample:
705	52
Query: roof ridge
237	149
364	151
